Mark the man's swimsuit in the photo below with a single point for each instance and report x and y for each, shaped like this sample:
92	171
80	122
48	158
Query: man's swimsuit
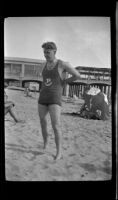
52	86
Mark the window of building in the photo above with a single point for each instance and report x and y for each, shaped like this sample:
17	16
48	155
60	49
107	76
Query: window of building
32	70
16	69
7	68
29	70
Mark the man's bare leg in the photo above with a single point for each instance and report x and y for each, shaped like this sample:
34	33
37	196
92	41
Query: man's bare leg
55	111
43	110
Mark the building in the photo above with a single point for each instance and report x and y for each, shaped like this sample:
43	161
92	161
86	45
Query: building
95	75
18	71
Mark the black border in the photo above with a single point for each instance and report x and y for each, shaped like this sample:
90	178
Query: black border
74	189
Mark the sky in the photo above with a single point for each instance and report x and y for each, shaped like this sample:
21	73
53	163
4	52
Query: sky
81	41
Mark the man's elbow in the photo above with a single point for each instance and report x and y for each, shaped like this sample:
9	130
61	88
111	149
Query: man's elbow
77	76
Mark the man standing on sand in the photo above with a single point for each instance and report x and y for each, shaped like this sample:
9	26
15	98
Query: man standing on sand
53	74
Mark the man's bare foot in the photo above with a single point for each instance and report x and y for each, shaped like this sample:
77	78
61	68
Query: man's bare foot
58	156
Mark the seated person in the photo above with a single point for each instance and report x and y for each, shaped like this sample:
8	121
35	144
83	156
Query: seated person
8	108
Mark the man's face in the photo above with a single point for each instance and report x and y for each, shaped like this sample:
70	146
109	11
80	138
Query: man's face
49	54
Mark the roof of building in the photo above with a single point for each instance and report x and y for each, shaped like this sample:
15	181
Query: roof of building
26	60
93	69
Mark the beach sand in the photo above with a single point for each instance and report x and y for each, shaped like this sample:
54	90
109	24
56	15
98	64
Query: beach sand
86	145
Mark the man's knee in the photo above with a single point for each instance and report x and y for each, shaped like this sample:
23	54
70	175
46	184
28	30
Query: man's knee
43	122
56	127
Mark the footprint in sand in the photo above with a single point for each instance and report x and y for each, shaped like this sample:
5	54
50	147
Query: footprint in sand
65	138
93	169
28	153
69	166
106	167
65	148
12	172
55	172
72	154
88	167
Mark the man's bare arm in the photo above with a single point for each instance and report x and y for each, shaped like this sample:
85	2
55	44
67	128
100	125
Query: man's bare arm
75	74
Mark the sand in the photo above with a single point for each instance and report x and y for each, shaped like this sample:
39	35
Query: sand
86	145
